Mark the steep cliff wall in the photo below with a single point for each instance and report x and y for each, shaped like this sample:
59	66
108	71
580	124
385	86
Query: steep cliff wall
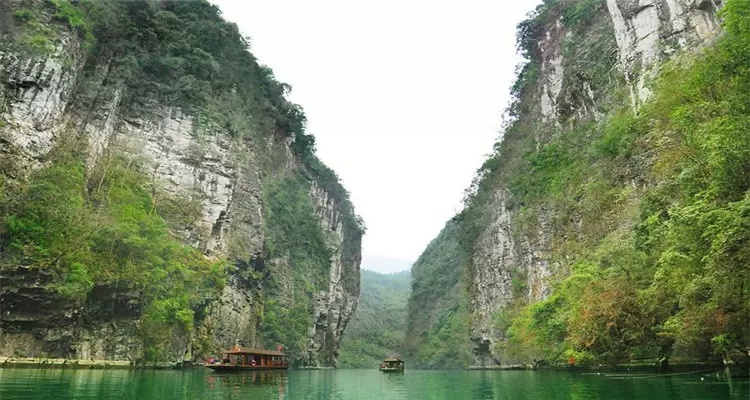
88	81
569	185
436	327
585	53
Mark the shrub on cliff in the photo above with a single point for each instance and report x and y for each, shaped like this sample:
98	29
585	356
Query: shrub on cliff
107	230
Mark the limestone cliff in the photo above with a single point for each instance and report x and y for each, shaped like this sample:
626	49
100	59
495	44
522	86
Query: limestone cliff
628	38
69	90
586	60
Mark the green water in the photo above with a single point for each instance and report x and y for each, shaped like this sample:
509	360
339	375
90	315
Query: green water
358	384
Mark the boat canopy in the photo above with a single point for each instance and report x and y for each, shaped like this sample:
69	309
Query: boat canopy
256	352
239	358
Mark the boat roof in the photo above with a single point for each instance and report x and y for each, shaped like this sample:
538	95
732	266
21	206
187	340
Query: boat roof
391	359
259	352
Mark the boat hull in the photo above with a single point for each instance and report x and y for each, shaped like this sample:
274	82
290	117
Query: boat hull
230	367
391	370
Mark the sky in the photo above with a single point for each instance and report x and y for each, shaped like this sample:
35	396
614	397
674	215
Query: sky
405	99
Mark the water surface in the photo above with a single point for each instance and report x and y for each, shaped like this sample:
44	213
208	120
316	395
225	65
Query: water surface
359	384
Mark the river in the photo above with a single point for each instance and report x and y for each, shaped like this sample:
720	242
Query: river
359	384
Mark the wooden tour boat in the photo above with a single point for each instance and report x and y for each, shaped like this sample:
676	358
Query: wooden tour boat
392	364
244	359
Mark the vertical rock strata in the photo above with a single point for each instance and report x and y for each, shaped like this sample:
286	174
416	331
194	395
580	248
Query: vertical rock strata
646	32
203	164
587	58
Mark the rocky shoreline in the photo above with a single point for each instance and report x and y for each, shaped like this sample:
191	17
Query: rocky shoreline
638	367
67	363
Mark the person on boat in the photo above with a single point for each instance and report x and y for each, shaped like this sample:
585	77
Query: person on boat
252	362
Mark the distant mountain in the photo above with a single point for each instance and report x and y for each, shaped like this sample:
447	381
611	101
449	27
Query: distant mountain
377	328
385	265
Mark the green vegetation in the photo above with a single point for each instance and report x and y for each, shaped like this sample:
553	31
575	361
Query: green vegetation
23	15
36	36
647	212
327	179
437	329
673	279
108	226
39	36
184	54
108	230
377	329
293	233
445	344
295	236
75	18
171	53
576	15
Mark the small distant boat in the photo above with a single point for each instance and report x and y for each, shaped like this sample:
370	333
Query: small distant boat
245	359
392	364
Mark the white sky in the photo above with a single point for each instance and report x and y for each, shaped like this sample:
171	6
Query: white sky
405	100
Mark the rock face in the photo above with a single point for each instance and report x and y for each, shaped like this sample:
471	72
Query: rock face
639	34
35	92
493	260
203	164
334	308
647	31
499	265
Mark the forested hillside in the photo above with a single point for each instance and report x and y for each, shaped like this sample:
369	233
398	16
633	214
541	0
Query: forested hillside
612	222
377	329
438	310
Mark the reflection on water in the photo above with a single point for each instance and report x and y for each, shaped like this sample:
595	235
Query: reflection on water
483	389
395	379
238	382
359	384
247	378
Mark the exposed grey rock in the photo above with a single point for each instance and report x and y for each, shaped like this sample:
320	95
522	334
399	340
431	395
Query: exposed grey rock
334	308
35	93
646	32
552	71
202	164
494	260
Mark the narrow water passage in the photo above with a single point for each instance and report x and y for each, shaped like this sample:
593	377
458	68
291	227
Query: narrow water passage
358	384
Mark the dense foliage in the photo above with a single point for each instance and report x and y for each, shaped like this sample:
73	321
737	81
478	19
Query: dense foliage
377	329
293	233
108	230
437	328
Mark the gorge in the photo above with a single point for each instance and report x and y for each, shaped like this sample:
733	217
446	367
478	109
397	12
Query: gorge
161	199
